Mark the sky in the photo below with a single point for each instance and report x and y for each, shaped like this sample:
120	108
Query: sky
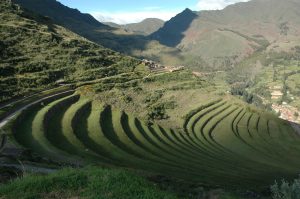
133	11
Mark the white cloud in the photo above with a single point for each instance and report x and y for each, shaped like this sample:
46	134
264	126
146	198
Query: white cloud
157	12
216	4
134	17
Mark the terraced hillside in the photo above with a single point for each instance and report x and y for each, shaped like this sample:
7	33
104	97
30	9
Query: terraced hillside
36	54
223	142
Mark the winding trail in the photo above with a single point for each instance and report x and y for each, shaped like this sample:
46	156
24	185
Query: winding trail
12	115
3	138
29	168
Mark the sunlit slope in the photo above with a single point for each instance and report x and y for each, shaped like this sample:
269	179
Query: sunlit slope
36	54
223	142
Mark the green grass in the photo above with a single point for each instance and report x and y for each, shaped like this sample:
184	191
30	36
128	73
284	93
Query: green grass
216	147
36	54
90	182
69	120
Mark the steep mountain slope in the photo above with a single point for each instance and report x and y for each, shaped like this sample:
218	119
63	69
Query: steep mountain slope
145	27
35	54
114	38
235	32
68	17
84	25
201	40
172	32
112	24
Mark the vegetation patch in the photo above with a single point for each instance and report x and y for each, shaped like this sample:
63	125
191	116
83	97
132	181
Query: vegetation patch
91	182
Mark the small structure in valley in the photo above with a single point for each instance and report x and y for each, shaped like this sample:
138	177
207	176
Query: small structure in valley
276	95
155	67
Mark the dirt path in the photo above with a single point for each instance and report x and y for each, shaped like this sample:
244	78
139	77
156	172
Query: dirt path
29	168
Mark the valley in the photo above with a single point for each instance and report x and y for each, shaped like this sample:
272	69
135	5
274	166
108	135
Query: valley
204	105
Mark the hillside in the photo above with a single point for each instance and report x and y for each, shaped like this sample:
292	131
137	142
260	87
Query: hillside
36	54
223	142
116	38
173	30
145	27
68	102
202	40
84	25
63	15
235	32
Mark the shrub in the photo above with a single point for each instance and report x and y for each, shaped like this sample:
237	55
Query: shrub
153	97
286	190
157	112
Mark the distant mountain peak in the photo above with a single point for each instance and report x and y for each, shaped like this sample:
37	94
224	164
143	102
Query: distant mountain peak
187	10
145	27
171	33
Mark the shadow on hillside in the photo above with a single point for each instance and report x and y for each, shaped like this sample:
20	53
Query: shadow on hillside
119	42
87	26
172	33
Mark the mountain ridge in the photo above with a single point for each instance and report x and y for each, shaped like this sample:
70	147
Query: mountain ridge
145	27
236	32
36	54
207	39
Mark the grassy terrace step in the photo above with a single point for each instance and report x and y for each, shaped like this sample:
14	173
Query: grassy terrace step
102	140
195	120
71	143
192	121
217	112
258	145
261	144
279	157
263	141
42	131
271	145
222	142
53	122
68	121
217	120
179	163
123	150
139	136
160	133
176	156
222	135
134	130
267	165
87	129
207	131
191	136
125	138
22	126
191	114
9	107
244	129
165	150
201	124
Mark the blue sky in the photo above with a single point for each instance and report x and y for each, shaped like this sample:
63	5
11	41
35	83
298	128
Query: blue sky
128	5
131	11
